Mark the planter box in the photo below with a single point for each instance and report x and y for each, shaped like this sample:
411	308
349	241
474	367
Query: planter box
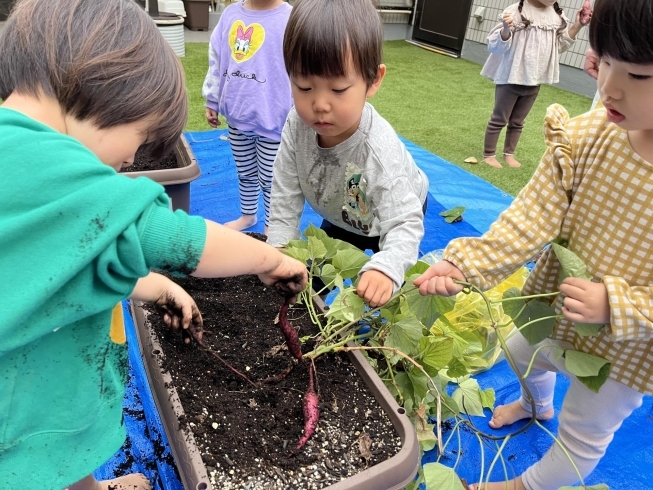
176	181
391	474
197	14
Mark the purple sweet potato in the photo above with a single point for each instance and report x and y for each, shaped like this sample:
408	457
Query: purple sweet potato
290	334
311	407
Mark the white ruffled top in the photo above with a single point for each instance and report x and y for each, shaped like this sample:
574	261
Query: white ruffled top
530	56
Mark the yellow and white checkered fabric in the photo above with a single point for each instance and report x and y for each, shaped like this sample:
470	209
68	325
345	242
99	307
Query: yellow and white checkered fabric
594	191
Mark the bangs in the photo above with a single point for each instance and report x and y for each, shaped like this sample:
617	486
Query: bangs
323	35
621	30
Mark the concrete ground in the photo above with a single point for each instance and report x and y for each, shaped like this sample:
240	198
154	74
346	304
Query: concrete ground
571	79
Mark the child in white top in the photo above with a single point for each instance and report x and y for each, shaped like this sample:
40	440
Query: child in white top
524	53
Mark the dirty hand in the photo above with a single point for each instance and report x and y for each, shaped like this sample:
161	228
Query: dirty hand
212	118
583	18
592	62
375	288
178	309
438	279
586	301
289	277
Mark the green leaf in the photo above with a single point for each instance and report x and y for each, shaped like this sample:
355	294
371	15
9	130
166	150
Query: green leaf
572	265
404	384
349	262
428	308
459	344
346	306
456	369
488	398
300	254
583	364
440	477
447	401
536	332
588	329
405	336
420	383
468	397
590	370
436	352
316	248
418	269
512	308
332	245
426	437
328	274
453	214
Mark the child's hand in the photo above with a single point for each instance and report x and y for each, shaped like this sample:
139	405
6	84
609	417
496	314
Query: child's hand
375	288
582	19
591	64
586	301
438	279
288	278
178	309
212	118
507	22
173	303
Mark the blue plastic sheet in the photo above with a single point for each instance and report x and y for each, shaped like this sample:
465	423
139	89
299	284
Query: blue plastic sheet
214	195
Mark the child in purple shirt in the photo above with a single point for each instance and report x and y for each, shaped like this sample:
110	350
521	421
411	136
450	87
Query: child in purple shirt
248	84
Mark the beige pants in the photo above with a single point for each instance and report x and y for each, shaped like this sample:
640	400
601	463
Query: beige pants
586	423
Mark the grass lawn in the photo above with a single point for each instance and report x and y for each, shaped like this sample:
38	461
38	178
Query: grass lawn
437	102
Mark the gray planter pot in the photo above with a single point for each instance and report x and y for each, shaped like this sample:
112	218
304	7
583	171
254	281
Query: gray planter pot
176	181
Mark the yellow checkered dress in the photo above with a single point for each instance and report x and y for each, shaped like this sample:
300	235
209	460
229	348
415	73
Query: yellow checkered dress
594	191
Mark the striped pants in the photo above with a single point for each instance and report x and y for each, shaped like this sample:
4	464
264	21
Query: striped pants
254	156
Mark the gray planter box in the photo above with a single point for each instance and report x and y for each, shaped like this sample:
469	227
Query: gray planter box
176	181
393	474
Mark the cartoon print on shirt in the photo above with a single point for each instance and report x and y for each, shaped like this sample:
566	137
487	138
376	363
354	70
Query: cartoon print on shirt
244	40
356	210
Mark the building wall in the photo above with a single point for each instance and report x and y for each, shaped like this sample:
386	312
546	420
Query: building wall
477	31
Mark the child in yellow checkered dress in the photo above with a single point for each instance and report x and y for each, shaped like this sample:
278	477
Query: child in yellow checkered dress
592	189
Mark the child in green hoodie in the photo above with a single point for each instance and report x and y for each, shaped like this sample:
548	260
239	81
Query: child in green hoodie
84	85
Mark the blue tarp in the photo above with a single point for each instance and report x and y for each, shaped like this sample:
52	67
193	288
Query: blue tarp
214	195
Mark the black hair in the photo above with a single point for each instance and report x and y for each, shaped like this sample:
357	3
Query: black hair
527	22
621	29
322	34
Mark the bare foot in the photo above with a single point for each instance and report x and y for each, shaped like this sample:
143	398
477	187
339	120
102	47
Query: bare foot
133	481
511	413
515	484
265	230
245	221
492	162
510	160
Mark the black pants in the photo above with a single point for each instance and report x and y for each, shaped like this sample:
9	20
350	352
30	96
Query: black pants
361	241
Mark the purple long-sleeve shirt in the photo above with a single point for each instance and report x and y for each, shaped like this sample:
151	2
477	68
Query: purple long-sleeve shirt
247	80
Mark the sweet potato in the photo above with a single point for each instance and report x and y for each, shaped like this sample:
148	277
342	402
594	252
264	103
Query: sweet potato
290	334
311	407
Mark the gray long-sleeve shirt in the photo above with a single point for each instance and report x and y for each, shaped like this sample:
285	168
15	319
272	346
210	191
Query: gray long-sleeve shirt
369	184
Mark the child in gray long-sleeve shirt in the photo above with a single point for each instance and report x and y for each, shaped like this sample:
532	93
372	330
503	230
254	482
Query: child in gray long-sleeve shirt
338	153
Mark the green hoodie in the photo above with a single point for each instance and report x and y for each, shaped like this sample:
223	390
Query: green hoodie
75	236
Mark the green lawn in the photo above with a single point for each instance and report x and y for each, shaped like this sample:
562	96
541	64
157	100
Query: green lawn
437	102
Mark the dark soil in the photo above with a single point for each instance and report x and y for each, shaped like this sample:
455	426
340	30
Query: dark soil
143	163
246	434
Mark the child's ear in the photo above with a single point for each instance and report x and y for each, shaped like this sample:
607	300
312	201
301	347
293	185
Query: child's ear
371	90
